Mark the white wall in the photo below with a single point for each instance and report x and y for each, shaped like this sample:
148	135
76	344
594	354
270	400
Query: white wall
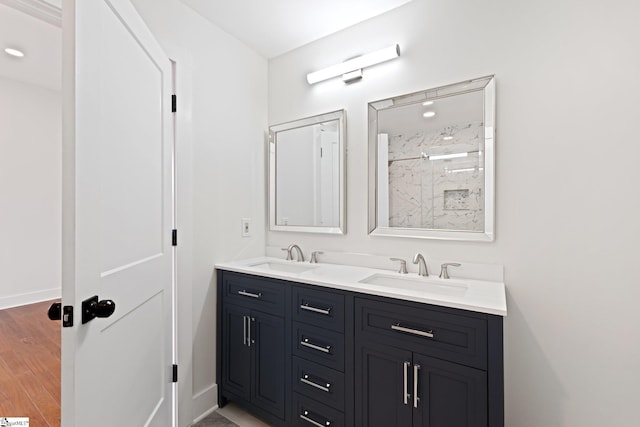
30	193
568	206
222	120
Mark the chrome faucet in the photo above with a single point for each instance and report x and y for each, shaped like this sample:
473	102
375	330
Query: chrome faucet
314	256
299	255
403	265
444	273
422	265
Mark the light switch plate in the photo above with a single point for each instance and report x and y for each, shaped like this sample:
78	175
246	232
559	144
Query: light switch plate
246	227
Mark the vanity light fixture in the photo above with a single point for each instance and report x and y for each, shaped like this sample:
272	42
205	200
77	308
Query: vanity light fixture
14	52
448	156
351	70
429	114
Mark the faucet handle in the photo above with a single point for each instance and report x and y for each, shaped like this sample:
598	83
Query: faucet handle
444	273
403	265
314	257
289	257
422	265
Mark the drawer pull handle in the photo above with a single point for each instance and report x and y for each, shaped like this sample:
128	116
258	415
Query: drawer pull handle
325	311
244	293
305	342
397	327
304	416
305	379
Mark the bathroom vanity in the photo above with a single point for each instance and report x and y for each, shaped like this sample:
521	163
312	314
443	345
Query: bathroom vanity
304	344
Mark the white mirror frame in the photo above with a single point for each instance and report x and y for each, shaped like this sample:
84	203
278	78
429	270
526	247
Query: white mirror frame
487	85
340	116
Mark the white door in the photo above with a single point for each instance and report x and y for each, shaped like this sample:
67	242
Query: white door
117	218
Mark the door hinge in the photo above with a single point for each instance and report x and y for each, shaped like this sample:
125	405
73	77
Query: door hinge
174	103
174	237
174	377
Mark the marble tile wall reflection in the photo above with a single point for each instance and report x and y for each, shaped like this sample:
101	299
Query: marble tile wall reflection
437	194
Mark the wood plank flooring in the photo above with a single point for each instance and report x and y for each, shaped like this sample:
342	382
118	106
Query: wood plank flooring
30	365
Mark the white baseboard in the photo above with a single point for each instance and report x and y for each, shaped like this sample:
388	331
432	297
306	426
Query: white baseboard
29	298
205	402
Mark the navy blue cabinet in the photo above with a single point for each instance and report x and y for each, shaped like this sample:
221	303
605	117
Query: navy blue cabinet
303	355
425	366
253	352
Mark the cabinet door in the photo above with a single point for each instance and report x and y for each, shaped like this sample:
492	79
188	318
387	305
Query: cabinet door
383	381
449	395
268	344
236	356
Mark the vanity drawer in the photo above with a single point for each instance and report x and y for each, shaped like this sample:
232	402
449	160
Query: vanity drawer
309	413
318	382
318	345
318	307
264	294
440	333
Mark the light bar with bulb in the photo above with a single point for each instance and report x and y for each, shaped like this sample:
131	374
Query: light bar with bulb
14	52
448	156
355	64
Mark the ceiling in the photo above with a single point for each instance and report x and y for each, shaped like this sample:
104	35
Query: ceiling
270	27
40	41
274	27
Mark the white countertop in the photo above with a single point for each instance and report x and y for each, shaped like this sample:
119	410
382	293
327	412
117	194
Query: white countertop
481	296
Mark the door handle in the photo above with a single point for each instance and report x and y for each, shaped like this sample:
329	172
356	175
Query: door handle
406	383
249	340
92	308
244	330
55	311
416	371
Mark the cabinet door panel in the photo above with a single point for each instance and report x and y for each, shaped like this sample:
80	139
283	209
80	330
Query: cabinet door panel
236	354
380	386
451	395
267	335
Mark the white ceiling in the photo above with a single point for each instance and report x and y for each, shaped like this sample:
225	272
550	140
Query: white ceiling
271	27
274	27
40	41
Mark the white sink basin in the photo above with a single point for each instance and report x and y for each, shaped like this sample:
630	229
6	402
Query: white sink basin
292	267
423	284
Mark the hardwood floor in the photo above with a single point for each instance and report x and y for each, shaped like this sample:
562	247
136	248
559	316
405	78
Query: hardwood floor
30	365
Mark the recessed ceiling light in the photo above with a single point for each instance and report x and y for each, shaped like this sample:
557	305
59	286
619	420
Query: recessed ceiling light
429	114
14	52
426	104
448	138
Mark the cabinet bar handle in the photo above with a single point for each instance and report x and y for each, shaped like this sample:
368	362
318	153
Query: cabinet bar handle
244	330
308	307
249	319
397	327
305	380
416	371
249	294
305	342
304	417
406	391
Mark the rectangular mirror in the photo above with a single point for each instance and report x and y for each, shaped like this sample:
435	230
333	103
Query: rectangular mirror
306	175
431	163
